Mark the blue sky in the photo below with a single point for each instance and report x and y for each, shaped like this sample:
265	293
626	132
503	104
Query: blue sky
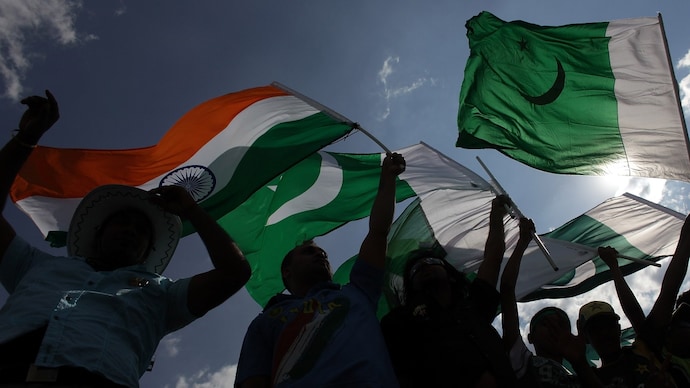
125	71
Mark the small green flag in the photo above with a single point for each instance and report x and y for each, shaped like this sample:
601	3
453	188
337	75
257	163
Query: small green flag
591	99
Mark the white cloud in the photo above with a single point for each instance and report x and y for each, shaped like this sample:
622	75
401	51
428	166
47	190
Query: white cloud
391	90
223	378
171	345
649	189
684	84
20	20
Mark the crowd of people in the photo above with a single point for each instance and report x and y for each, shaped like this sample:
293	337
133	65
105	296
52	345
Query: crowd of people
94	317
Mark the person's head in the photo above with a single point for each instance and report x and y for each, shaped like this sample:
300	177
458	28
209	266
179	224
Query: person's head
116	226
425	270
601	328
544	330
304	266
124	238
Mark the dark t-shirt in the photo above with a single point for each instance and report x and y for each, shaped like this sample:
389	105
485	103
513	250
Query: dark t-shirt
435	347
632	370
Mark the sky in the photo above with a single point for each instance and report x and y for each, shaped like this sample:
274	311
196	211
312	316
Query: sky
124	71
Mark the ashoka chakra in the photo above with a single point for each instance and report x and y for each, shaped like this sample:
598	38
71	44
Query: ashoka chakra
199	181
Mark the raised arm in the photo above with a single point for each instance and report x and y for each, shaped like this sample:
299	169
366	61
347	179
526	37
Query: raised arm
373	249
631	307
660	316
231	271
40	115
495	242
509	313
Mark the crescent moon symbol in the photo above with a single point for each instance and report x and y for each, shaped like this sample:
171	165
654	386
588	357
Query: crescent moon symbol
552	94
321	193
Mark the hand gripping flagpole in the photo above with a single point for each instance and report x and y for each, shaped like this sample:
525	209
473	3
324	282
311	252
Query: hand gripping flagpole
516	213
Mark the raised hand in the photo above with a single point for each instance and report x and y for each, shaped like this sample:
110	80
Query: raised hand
40	115
394	163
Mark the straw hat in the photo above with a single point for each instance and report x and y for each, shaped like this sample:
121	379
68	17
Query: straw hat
106	200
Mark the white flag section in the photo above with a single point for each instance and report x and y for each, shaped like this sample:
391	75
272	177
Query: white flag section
459	220
632	225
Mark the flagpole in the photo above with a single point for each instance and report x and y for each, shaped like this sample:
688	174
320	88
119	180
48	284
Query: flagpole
641	261
364	131
517	213
314	103
674	82
330	112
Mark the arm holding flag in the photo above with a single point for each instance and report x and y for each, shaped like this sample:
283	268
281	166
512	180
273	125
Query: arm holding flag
509	313
231	270
41	114
495	241
373	249
660	315
631	307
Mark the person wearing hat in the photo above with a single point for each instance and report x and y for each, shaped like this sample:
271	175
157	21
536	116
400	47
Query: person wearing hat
441	334
628	366
321	333
549	332
94	318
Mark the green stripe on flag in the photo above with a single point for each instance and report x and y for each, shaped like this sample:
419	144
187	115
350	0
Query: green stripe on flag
593	99
511	65
273	152
633	226
320	194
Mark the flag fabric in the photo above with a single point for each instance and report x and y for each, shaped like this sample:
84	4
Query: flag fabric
454	223
590	99
633	226
221	151
319	194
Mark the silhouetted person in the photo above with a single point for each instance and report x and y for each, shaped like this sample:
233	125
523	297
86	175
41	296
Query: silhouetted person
94	318
324	334
441	334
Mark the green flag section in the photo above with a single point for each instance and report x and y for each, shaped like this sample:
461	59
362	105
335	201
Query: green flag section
318	195
455	223
590	99
221	151
634	226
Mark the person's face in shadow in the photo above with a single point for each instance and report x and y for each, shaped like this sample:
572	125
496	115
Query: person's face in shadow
124	239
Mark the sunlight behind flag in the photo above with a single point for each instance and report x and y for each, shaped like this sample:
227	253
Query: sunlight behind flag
591	99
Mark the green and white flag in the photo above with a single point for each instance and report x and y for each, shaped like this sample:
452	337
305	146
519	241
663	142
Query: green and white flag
318	195
591	99
633	226
455	224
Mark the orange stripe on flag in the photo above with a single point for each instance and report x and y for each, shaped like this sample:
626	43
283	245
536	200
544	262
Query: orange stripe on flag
80	170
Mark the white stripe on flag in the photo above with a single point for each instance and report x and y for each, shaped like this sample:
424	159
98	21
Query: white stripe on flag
648	113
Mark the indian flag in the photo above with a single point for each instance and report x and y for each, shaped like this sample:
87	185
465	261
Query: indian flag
221	151
592	99
321	193
632	225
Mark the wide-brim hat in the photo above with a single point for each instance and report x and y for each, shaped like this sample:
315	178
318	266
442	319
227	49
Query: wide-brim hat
104	201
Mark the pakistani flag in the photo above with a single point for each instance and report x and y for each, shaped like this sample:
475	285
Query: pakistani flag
318	195
454	222
592	99
633	226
